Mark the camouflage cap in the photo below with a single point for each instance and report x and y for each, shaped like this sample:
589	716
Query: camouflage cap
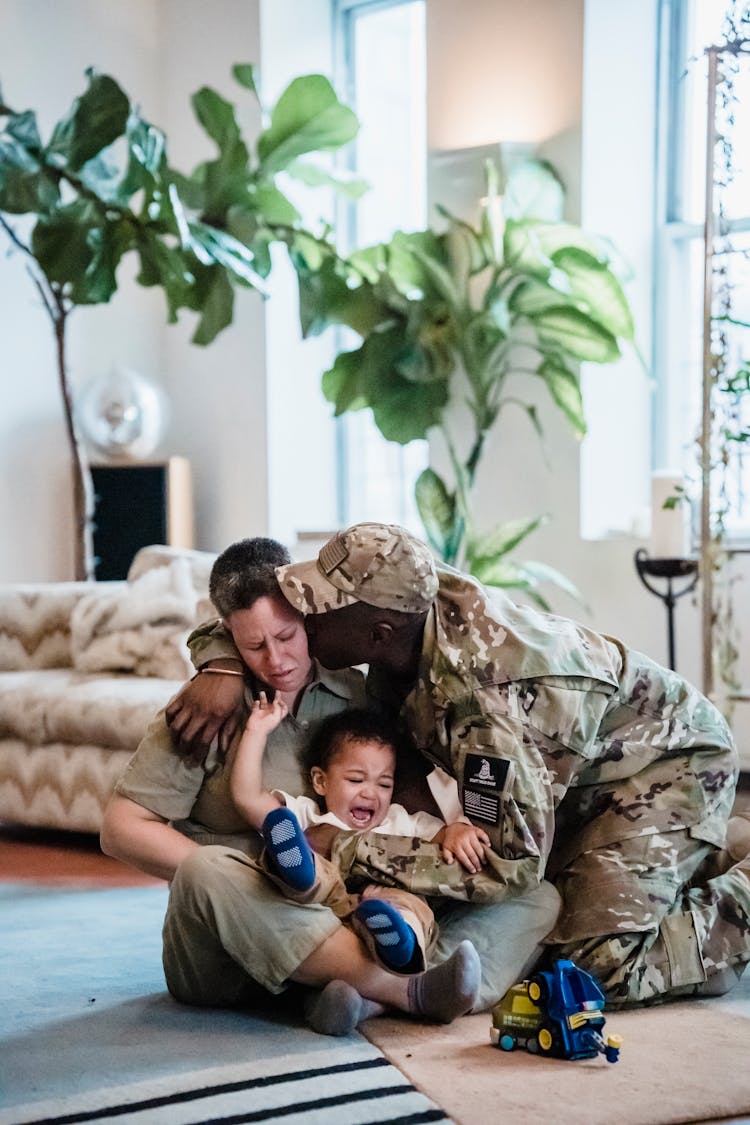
377	563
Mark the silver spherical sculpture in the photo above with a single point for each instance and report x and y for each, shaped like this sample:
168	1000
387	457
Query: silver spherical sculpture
121	415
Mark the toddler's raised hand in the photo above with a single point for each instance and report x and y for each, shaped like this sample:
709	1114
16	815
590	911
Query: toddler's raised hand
264	716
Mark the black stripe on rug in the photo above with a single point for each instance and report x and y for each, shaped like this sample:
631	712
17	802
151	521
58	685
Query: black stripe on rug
182	1096
311	1106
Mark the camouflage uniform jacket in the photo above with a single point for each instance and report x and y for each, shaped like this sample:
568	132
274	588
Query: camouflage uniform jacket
561	739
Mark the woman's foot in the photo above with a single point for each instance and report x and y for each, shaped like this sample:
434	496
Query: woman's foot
448	990
440	994
338	1009
395	940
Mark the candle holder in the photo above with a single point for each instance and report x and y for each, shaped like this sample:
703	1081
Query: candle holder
671	570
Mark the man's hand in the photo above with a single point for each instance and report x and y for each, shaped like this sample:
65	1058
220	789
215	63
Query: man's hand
204	708
320	837
465	843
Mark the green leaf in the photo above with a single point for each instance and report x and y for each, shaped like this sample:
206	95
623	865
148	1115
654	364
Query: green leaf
108	243
341	383
572	332
414	261
461	239
25	186
503	573
402	410
216	307
145	170
533	191
22	127
245	74
224	181
595	285
94	122
553	237
273	206
437	509
325	298
534	296
541	572
217	116
369	262
211	245
77	250
565	388
308	117
162	265
523	250
502	539
313	175
60	242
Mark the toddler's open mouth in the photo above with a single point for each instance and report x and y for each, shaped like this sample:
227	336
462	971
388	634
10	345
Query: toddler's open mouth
361	816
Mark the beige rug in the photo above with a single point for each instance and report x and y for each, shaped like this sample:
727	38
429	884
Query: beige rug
683	1062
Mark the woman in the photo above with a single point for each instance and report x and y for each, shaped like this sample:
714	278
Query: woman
230	938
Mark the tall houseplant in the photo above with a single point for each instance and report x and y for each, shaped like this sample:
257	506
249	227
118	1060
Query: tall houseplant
101	187
479	313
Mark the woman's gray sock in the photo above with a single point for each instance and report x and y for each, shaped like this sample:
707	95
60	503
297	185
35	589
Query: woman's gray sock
338	1009
450	989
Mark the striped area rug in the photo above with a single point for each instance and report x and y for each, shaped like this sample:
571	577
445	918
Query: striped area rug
345	1084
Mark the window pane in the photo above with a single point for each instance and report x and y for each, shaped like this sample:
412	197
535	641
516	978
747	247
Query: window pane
386	58
706	27
680	313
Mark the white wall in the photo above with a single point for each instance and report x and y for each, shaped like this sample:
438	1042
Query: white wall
160	51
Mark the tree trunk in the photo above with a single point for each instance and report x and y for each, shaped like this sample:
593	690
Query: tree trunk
83	490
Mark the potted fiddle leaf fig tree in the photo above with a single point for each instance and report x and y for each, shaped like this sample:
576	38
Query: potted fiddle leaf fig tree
101	187
479	312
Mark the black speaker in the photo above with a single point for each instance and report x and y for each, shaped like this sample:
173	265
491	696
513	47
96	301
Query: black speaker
132	509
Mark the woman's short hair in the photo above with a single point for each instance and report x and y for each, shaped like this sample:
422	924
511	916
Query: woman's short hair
244	572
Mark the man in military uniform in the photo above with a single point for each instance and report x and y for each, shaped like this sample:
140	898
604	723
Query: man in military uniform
583	760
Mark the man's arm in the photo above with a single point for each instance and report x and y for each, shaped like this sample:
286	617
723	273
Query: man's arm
142	838
209	706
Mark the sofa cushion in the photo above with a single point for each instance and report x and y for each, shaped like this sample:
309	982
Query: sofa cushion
64	705
35	622
200	563
141	628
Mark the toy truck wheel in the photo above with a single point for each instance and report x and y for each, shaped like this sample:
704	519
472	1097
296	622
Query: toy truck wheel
538	989
546	1039
506	1042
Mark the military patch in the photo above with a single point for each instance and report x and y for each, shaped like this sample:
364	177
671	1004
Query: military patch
483	782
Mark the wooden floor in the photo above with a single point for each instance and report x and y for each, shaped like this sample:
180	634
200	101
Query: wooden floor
75	859
37	855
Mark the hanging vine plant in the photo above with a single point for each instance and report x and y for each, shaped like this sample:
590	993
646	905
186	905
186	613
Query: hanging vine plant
726	366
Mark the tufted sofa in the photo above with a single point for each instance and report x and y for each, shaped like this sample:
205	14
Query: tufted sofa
83	669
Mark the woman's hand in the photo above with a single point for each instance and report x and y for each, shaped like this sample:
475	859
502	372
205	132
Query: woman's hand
465	843
204	708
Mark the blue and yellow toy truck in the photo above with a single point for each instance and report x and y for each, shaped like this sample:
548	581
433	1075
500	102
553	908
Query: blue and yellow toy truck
557	1013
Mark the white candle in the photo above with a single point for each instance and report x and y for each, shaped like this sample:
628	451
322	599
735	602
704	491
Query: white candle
670	527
